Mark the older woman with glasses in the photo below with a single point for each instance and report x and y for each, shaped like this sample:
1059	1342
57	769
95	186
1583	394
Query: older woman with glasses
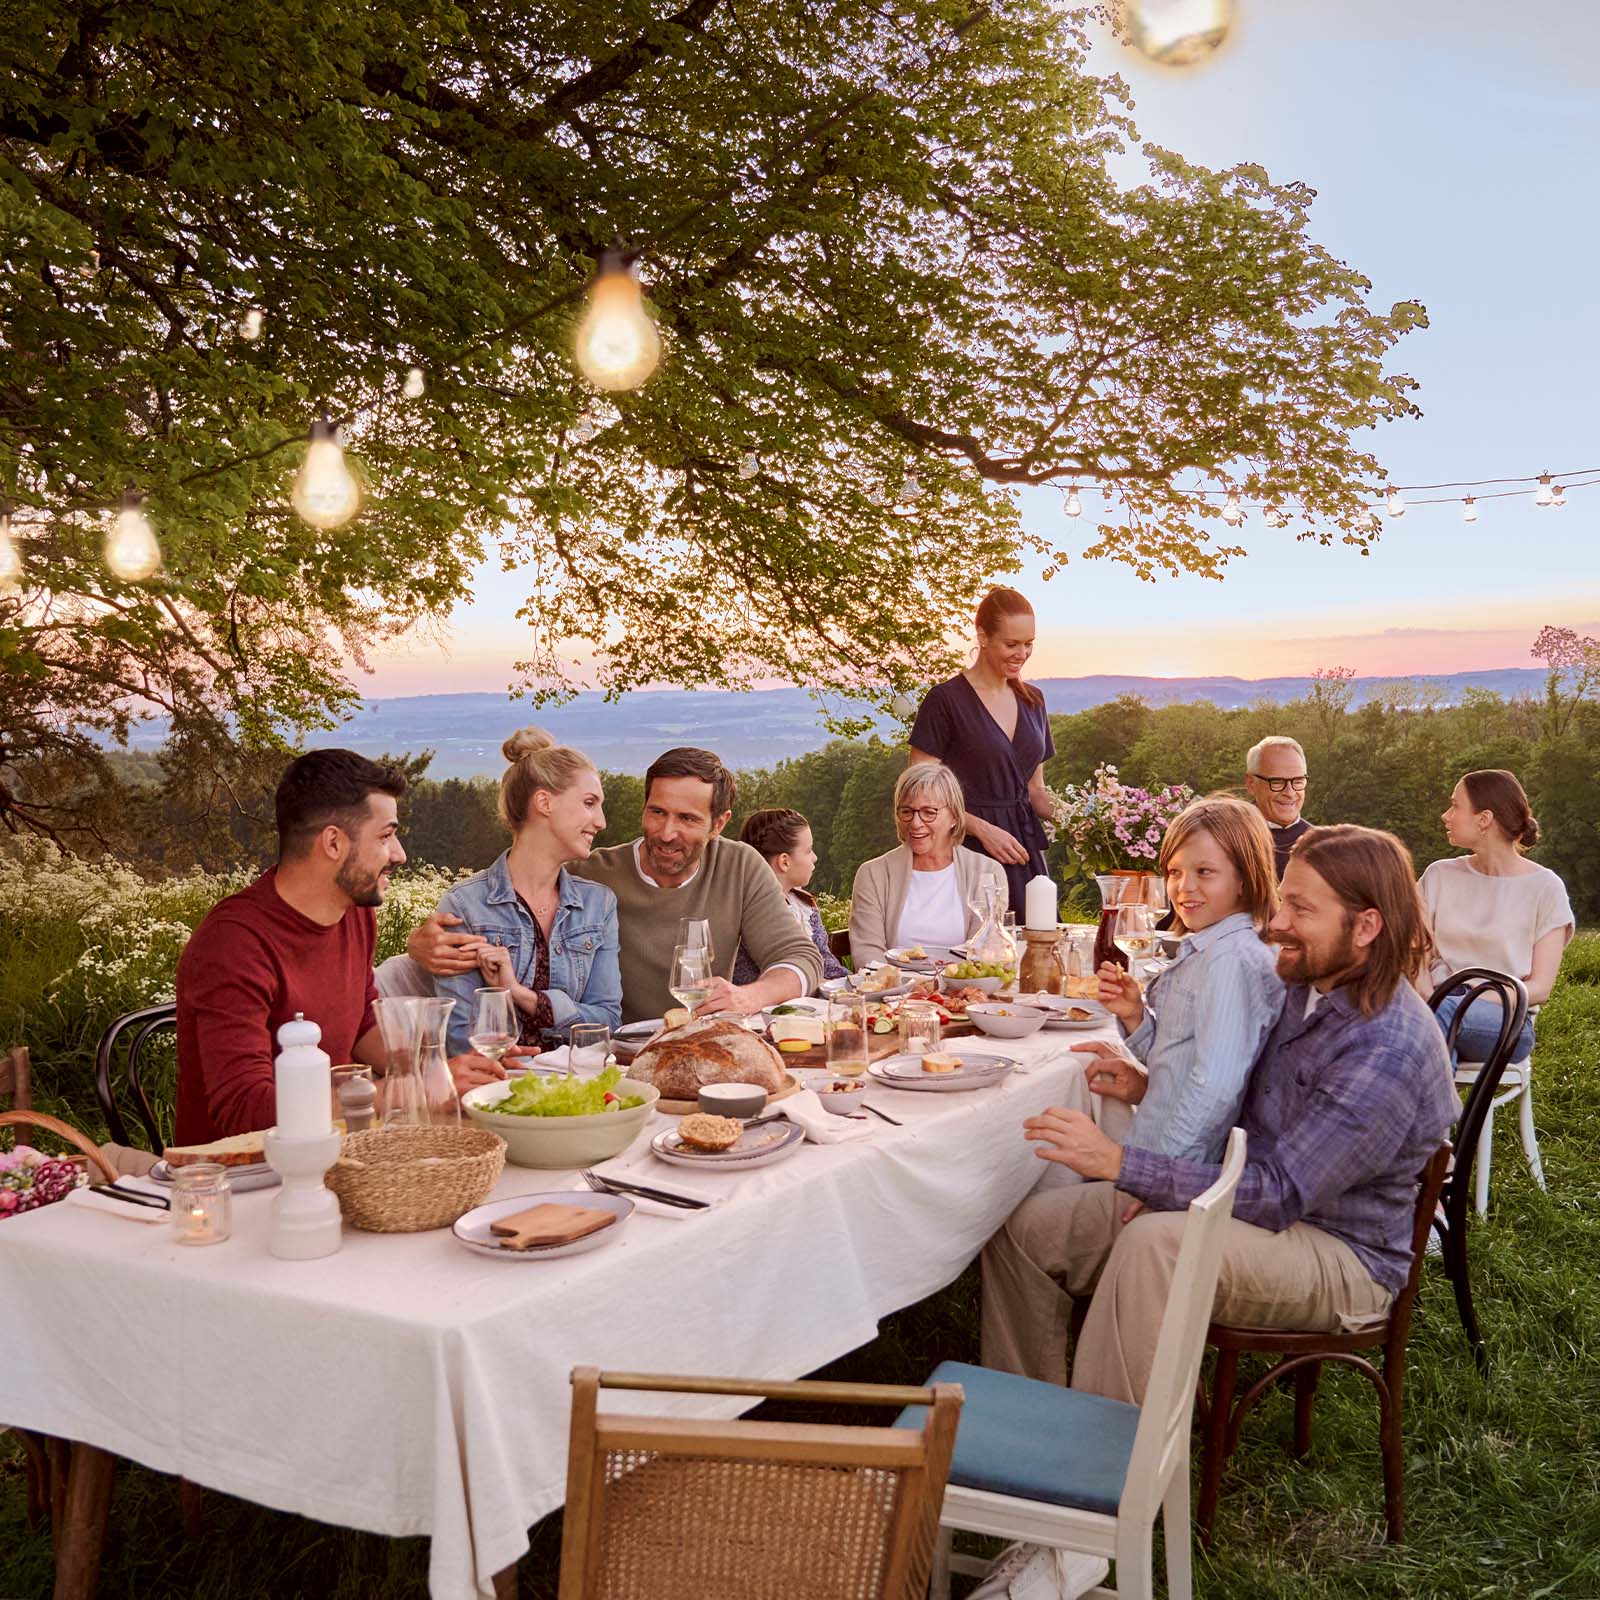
927	890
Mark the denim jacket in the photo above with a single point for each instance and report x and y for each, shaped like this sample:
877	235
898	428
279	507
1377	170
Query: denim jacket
585	982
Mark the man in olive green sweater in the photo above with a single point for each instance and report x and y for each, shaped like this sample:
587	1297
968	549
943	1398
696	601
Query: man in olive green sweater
680	867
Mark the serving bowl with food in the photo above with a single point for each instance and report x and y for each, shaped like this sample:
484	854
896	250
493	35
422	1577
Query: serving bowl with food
985	975
1007	1019
562	1122
842	1096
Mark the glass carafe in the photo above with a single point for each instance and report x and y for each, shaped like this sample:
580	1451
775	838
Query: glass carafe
433	1063
404	1104
993	944
1116	889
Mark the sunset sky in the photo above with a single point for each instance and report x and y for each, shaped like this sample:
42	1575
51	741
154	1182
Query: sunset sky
1452	144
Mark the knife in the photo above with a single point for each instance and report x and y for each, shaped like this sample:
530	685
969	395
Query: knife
132	1197
658	1195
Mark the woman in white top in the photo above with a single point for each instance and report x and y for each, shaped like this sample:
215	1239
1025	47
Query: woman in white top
1494	908
927	891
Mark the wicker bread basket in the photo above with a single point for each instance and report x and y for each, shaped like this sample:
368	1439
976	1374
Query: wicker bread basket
404	1180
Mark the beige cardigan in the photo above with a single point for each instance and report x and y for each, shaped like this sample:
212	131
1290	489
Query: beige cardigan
878	896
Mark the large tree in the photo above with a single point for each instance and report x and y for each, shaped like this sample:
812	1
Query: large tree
881	241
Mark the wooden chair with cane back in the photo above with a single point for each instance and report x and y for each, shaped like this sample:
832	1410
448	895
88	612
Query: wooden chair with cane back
129	1035
1301	1356
676	1508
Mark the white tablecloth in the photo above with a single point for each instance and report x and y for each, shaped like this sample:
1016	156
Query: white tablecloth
408	1386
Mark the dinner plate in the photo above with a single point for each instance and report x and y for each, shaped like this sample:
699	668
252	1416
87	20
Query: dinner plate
640	1032
922	963
1057	1006
241	1180
756	1147
472	1229
976	1072
894	992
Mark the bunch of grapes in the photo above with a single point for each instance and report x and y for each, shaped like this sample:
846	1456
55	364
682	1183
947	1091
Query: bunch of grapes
29	1179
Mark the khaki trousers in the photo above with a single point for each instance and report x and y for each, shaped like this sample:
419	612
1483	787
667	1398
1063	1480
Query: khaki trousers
1064	1243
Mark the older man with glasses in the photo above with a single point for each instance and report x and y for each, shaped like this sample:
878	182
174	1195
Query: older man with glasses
1275	775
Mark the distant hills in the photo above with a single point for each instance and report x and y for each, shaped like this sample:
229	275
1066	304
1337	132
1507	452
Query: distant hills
765	726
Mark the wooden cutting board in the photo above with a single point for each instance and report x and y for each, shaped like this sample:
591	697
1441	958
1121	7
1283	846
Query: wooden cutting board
879	1045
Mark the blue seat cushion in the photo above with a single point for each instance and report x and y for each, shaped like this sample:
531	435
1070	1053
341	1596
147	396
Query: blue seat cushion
1032	1440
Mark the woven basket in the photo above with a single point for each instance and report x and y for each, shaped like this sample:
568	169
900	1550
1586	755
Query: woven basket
404	1180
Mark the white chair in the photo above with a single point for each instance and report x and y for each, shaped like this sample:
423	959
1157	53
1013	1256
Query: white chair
1079	1472
1516	1083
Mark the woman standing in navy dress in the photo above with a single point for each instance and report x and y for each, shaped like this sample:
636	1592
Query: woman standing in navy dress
990	729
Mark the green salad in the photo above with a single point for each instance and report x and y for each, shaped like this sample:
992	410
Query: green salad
536	1095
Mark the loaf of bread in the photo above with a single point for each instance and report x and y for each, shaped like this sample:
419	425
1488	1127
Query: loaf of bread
242	1150
679	1061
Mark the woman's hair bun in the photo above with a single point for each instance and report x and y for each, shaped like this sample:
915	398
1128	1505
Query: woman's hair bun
1530	832
526	742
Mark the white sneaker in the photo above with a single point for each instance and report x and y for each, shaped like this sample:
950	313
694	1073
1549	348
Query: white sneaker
1036	1572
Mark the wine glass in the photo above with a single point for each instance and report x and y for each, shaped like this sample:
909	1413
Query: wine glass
494	1023
588	1047
694	933
1135	934
689	978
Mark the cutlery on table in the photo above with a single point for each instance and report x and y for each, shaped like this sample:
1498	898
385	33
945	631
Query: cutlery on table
617	1186
895	1121
133	1197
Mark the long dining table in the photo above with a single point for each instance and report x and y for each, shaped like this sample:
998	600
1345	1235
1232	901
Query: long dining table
406	1385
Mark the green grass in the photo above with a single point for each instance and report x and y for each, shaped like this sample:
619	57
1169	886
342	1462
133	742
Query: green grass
1502	1478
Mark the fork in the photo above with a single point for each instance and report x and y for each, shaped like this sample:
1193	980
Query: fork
660	1196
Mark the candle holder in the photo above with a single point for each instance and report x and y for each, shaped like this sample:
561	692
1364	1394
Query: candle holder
1041	963
199	1205
305	1221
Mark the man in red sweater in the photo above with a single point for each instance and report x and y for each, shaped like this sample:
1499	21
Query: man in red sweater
301	938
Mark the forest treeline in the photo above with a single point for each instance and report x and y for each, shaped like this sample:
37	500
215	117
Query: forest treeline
1389	763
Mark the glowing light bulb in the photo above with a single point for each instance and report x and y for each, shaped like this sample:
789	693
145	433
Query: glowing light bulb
1175	33
1232	511
1544	497
1072	505
250	324
910	488
415	384
1558	496
749	465
1469	509
10	554
1395	505
325	494
584	429
131	548
617	345
1274	518
876	496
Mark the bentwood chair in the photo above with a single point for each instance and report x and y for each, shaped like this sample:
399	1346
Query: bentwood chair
1077	1471
1515	1078
129	1035
1474	1134
1301	1356
674	1508
16	1079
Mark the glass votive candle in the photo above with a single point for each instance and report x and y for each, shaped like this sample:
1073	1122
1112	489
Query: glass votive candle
201	1203
845	1040
919	1027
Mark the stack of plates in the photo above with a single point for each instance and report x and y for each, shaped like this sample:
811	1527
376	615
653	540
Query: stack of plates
772	1141
975	1072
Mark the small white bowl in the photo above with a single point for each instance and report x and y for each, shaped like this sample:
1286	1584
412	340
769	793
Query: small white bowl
732	1099
1008	1021
842	1096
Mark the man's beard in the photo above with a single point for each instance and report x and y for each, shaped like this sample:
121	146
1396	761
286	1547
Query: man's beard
362	889
1334	961
688	860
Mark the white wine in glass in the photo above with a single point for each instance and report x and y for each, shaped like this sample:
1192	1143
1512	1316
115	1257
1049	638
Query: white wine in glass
690	977
494	1023
1136	934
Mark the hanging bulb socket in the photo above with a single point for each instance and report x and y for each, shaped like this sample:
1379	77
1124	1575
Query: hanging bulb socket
1545	496
1072	505
132	552
1469	509
250	324
415	384
1274	518
1232	511
325	494
617	346
749	466
10	552
1394	504
910	487
1558	496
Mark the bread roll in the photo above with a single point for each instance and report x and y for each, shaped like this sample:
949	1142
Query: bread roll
701	1131
939	1061
681	1060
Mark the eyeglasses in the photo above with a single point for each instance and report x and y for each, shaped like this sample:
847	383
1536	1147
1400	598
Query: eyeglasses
1278	785
920	813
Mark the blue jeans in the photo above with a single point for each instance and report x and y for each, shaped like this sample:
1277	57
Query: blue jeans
1480	1029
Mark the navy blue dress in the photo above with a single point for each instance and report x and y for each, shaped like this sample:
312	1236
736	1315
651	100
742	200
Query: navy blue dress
993	771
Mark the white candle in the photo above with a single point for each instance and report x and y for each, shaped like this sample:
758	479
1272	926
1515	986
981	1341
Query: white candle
304	1082
1040	904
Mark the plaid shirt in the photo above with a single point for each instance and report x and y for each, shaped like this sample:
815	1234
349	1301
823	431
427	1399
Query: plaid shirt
1342	1113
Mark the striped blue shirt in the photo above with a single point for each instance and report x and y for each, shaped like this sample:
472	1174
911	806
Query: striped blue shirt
1206	1019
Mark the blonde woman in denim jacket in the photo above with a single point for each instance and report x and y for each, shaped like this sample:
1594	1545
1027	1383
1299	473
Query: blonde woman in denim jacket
547	935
